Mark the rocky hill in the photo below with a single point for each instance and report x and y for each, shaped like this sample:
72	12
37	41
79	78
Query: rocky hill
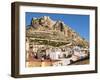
46	31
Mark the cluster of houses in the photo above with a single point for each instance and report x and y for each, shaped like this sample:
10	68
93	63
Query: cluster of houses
61	55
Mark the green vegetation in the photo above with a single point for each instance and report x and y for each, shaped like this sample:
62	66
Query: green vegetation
48	42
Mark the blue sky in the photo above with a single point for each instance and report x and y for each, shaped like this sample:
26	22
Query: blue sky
79	23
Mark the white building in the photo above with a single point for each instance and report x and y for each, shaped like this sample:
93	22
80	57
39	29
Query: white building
55	54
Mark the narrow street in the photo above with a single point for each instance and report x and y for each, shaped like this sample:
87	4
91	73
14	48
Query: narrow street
46	63
86	61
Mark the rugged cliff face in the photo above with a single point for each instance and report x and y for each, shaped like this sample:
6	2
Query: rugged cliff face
46	31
